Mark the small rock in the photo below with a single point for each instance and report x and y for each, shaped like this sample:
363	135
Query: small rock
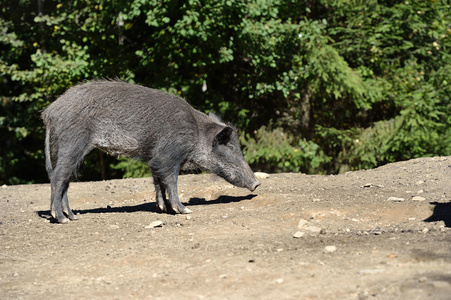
188	217
280	280
16	274
370	271
395	199
442	284
367	185
313	230
423	279
261	175
302	223
298	234
114	226
154	224
425	230
316	200
4	186
420	192
418	198
330	249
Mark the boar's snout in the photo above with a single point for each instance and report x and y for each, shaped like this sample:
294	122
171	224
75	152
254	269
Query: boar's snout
254	186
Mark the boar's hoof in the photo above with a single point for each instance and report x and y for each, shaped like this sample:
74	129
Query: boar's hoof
62	220
181	209
71	216
60	217
186	210
162	208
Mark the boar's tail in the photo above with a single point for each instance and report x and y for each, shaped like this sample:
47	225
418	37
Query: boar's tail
48	159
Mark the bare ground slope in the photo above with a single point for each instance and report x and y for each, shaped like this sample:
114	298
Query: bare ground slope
358	242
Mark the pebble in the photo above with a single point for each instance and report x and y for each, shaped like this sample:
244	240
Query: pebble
330	249
370	271
154	224
441	284
298	234
395	199
313	230
307	228
302	223
418	198
4	186
261	175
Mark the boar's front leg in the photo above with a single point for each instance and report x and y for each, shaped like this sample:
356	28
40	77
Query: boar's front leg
174	201
168	184
165	168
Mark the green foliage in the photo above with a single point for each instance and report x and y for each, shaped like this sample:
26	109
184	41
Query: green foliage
132	168
342	84
273	150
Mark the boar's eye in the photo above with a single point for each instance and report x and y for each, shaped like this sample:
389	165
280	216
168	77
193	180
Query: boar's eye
231	147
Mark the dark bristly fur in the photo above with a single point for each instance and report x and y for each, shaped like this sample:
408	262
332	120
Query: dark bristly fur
131	120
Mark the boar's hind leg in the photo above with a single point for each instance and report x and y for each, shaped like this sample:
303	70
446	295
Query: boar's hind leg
66	209
160	192
66	165
59	189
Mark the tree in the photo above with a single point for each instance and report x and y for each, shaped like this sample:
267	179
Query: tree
314	86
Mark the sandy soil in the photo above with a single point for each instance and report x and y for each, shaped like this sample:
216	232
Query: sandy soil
296	237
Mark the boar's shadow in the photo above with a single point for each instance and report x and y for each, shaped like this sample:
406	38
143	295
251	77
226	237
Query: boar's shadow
148	206
441	212
221	199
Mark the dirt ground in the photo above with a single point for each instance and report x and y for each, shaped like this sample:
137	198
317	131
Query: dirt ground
375	234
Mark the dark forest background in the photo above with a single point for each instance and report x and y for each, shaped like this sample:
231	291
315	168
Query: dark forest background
320	87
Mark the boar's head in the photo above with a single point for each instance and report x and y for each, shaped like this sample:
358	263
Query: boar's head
227	160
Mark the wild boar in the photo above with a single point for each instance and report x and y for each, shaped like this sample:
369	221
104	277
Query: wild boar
160	129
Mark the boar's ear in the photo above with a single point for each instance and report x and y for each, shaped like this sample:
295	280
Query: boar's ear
223	136
215	117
